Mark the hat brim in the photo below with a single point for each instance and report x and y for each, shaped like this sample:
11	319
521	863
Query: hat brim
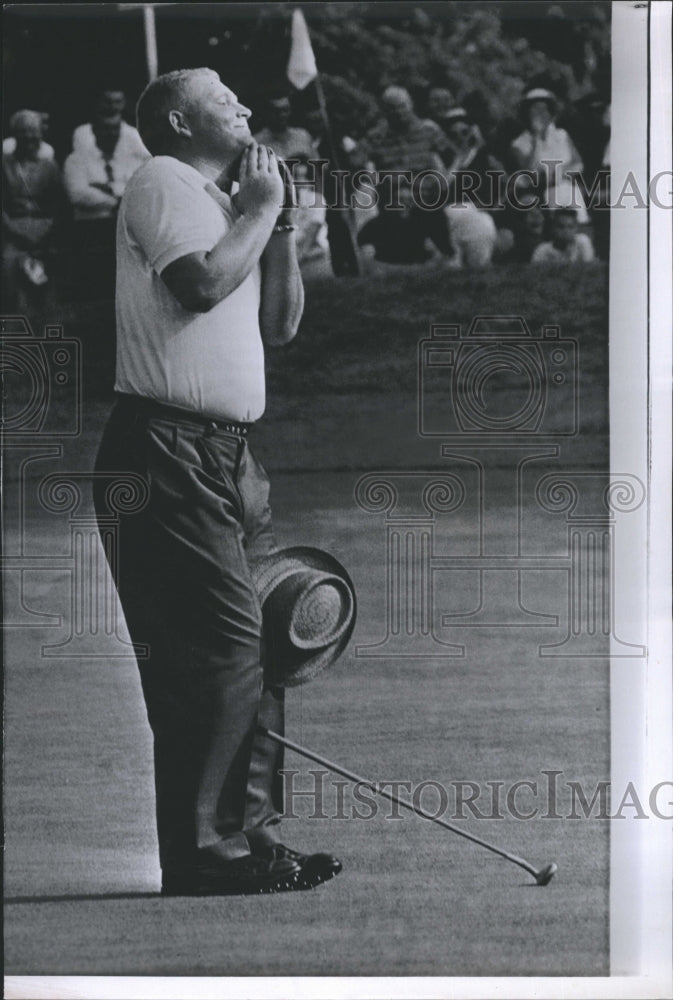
285	664
540	94
268	571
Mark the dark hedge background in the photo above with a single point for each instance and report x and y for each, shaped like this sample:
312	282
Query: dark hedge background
58	56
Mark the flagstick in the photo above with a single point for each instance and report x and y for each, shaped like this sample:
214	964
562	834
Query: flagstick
323	114
302	70
334	156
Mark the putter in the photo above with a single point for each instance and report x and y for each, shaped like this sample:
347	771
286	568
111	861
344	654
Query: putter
541	875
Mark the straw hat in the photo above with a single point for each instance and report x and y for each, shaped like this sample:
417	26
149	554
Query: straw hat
540	94
308	602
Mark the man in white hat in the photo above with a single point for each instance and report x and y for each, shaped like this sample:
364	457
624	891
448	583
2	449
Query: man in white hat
204	279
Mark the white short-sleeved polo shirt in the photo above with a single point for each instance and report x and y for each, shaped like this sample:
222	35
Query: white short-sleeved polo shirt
211	363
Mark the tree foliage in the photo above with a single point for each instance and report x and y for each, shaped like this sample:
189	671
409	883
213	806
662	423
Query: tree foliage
477	50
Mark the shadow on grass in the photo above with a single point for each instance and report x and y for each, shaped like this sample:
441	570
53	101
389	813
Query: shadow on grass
80	897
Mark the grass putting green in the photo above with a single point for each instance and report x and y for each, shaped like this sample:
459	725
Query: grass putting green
81	873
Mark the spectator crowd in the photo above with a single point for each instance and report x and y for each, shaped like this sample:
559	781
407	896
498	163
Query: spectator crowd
59	222
499	197
449	185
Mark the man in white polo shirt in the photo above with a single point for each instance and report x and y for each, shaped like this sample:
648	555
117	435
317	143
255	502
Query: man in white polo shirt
203	280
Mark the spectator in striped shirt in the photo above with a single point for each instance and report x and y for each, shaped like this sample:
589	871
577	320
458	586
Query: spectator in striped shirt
403	141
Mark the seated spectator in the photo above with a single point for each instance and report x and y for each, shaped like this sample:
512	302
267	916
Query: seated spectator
543	142
286	140
45	151
297	144
470	155
480	112
600	215
403	141
567	246
591	129
528	227
32	200
343	217
95	177
110	105
440	103
472	227
395	236
473	236
309	214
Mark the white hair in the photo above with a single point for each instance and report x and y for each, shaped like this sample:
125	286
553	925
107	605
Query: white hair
24	117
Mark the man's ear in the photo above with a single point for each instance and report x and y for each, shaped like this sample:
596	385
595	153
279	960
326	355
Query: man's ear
178	123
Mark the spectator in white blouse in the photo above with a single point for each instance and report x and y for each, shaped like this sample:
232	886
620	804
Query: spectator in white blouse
545	148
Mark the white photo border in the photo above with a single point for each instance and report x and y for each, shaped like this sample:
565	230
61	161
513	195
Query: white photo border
641	320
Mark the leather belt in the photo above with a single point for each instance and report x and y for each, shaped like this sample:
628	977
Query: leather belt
164	411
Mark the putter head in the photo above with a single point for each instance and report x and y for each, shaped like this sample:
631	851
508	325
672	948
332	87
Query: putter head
546	874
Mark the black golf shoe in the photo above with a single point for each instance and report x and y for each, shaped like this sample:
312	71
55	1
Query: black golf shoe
246	876
314	868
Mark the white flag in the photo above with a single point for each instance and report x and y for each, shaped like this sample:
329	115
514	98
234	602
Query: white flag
301	67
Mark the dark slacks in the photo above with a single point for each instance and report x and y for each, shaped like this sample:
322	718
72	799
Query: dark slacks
184	583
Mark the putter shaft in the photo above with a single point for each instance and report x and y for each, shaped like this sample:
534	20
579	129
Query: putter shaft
544	873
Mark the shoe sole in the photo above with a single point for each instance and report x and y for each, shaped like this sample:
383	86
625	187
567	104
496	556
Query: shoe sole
318	878
299	882
278	885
